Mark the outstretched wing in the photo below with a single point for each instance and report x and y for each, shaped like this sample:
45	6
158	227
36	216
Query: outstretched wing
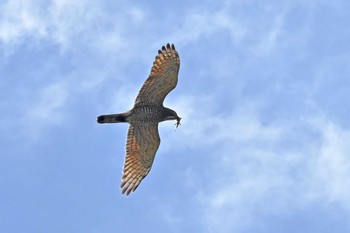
162	79
141	146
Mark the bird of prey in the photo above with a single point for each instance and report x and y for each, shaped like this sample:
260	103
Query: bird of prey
143	138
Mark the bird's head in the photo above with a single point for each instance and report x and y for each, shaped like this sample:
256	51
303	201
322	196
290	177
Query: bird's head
172	115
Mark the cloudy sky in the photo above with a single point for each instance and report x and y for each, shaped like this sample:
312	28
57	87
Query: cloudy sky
263	90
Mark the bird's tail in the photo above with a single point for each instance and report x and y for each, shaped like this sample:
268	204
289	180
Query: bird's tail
112	118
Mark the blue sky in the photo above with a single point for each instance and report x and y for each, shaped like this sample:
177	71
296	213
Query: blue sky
264	94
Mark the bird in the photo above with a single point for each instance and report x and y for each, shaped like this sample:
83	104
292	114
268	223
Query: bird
143	138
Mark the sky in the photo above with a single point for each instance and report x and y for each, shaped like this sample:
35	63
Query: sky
264	95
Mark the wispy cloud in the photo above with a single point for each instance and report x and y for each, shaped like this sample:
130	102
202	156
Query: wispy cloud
259	179
201	24
87	47
48	108
331	169
19	19
67	24
49	101
262	93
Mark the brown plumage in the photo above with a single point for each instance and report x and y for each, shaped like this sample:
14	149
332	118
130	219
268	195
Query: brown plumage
143	138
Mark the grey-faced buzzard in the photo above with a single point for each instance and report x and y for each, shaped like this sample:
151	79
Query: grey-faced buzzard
143	138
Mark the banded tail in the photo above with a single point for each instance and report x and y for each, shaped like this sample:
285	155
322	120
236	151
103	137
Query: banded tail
112	118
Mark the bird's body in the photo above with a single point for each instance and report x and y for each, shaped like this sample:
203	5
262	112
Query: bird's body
143	138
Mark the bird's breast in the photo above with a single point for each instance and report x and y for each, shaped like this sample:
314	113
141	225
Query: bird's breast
149	114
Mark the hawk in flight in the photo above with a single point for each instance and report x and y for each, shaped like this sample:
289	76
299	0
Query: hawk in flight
143	138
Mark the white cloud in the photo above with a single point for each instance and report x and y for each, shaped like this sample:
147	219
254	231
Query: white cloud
331	170
258	179
48	108
240	124
252	170
67	23
51	99
20	18
201	24
244	168
93	41
270	38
